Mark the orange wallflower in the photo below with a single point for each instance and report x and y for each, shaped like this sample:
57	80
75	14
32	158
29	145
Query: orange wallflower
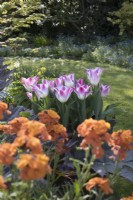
127	198
90	126
94	133
56	131
34	128
121	142
2	183
14	125
7	151
101	183
48	117
31	143
3	108
33	166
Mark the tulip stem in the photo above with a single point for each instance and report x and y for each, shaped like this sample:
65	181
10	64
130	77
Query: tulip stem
83	109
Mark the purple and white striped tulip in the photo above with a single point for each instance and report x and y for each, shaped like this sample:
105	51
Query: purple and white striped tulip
52	85
29	82
69	80
104	89
83	91
41	90
80	82
63	93
29	95
59	81
94	75
45	82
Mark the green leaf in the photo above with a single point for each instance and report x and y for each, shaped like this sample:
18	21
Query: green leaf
98	104
77	188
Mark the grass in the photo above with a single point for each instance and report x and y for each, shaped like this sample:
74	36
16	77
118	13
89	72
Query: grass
119	79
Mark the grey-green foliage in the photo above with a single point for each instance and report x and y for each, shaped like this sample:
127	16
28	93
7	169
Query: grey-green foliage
5	75
18	14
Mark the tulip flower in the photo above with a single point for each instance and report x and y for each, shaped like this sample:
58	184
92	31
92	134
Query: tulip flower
45	82
29	82
52	85
80	82
94	75
69	80
29	95
59	81
83	91
104	89
41	90
63	93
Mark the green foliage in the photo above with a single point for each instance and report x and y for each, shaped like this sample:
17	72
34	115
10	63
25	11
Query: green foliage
23	69
52	18
16	42
123	18
119	54
18	14
41	40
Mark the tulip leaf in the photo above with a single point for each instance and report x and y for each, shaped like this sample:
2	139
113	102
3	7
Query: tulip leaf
98	104
66	114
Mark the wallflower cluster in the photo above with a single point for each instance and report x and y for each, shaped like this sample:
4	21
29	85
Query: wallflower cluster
29	135
95	133
26	150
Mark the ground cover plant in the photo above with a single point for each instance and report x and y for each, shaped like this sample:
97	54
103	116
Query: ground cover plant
107	50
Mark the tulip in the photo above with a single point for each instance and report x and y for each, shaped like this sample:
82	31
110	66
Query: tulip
52	85
83	91
29	95
80	82
29	82
41	90
94	75
104	89
59	81
69	80
45	82
63	93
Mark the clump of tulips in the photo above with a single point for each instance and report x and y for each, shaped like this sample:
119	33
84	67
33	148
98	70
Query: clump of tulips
73	99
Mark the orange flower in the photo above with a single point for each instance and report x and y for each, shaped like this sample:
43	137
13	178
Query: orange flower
94	133
34	128
33	166
48	117
56	131
2	183
14	125
90	126
102	183
31	143
121	142
128	198
7	151
3	108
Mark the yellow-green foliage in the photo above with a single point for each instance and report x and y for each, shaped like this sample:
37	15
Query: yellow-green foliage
18	14
123	17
